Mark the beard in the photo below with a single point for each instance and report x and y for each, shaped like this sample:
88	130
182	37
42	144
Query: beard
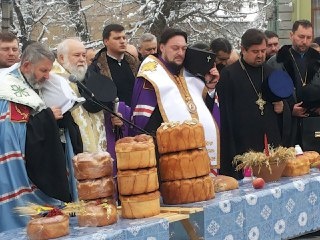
174	66
31	79
300	49
78	71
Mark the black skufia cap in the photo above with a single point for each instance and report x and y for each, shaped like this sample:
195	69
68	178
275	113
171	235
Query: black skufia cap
199	61
103	88
277	86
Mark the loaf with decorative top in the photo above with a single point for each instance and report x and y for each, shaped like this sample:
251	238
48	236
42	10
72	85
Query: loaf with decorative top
135	152
175	136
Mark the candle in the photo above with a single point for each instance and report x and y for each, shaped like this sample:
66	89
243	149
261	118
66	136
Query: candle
266	145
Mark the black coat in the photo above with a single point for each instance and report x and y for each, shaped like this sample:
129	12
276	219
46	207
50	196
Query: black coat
45	157
242	125
308	94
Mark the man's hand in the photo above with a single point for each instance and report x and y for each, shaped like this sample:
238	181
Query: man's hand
299	111
116	121
278	107
56	113
212	78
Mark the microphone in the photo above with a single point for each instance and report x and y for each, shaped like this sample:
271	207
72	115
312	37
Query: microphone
117	129
73	78
116	105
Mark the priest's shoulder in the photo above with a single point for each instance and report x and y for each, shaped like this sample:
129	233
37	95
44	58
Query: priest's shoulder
233	67
230	70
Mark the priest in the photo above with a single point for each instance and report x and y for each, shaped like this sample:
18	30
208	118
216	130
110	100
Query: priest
32	160
249	119
165	91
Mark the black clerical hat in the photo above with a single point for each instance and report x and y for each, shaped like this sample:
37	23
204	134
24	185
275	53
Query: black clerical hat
198	61
277	86
103	88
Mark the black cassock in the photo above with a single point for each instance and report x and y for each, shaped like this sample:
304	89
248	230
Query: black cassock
242	125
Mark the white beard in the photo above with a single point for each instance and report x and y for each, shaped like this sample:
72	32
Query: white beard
78	71
31	80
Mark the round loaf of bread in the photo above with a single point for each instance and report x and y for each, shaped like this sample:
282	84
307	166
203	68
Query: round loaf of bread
187	191
140	206
135	152
224	183
97	215
96	188
92	165
48	227
297	166
313	157
131	182
175	137
184	165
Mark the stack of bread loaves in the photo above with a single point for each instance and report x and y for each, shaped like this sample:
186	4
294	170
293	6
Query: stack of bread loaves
184	164
96	187
137	177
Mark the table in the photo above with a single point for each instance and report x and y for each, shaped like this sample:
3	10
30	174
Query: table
139	229
282	210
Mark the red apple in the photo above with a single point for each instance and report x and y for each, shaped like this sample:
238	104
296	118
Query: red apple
258	183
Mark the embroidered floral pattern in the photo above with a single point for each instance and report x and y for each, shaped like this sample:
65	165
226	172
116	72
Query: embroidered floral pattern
290	205
299	185
254	233
19	91
303	218
276	192
213	227
266	212
240	219
225	206
134	230
229	237
251	199
280	226
312	198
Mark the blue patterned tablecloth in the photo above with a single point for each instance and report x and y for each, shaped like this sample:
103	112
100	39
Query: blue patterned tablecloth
139	229
281	210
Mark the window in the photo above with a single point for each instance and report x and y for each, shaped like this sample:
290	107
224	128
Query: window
315	17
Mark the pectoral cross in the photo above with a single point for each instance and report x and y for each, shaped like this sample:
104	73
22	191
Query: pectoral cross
260	102
208	58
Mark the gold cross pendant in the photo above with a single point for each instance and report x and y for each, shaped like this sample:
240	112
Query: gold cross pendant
260	102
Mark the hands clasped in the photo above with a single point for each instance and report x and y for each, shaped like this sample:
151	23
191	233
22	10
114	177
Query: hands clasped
212	78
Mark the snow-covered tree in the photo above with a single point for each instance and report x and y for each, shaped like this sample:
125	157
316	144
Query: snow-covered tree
33	19
203	20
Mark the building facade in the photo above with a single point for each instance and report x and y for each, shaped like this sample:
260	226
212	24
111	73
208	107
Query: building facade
285	12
